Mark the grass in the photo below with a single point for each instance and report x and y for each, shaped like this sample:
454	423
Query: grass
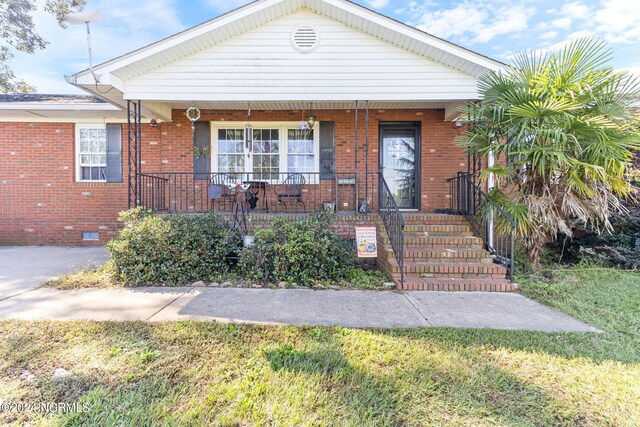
94	277
196	373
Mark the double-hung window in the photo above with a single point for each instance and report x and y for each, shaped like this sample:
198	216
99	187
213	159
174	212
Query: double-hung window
91	149
230	149
301	151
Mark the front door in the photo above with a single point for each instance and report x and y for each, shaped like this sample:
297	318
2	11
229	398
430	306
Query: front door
399	162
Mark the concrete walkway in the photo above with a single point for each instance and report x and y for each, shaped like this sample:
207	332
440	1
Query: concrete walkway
23	268
293	306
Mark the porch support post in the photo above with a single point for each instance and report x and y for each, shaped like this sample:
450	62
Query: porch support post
355	163
134	140
469	129
366	153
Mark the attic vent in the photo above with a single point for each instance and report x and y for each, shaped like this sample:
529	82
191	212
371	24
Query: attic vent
304	39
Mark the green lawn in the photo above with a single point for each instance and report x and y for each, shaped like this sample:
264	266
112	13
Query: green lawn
193	373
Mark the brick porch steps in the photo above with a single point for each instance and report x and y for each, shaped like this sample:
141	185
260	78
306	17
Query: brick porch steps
452	269
413	283
434	219
463	242
442	254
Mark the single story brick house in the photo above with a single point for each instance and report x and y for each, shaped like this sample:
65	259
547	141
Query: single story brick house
301	104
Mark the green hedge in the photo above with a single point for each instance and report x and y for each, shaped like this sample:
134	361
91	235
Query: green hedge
306	251
171	249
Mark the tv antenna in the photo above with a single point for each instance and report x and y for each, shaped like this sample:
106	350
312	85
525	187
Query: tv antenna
79	18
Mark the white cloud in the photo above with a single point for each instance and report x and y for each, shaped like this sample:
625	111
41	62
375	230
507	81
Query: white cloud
378	4
633	68
618	21
477	22
576	10
571	37
549	35
224	6
561	23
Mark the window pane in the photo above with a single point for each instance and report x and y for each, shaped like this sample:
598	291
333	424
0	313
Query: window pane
300	163
230	140
231	163
300	141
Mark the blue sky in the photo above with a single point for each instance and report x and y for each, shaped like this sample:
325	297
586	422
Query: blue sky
496	28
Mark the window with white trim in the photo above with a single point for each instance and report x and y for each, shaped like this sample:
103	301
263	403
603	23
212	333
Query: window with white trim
230	149
277	149
91	153
301	155
266	153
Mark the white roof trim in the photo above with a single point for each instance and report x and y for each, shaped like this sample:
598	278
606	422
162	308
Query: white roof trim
101	106
85	78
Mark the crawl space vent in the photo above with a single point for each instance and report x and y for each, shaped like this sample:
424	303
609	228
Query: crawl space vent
304	39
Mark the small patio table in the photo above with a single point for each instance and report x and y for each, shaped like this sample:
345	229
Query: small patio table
255	187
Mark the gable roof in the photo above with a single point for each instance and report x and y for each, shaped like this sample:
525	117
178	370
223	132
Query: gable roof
115	73
260	12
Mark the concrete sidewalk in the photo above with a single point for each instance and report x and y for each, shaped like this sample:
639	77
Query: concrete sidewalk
23	268
294	306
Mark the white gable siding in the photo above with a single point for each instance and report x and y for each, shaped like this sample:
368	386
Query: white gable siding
262	65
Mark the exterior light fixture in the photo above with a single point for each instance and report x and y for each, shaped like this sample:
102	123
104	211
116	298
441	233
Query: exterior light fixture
457	124
311	118
311	121
153	123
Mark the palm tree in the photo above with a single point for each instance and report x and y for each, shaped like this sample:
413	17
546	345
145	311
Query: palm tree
563	134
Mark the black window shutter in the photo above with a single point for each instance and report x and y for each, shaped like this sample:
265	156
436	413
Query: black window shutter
202	151
114	153
327	150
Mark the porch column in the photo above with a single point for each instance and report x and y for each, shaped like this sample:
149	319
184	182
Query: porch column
134	138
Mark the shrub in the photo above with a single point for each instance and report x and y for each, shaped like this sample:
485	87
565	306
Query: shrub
306	251
171	249
620	248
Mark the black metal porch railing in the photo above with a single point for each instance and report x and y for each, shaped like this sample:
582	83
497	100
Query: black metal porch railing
393	222
488	220
272	191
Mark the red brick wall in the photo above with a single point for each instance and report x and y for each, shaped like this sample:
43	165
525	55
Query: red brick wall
40	202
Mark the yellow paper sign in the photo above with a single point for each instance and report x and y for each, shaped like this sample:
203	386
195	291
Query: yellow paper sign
366	242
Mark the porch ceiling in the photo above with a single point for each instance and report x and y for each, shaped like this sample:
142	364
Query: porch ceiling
162	110
451	108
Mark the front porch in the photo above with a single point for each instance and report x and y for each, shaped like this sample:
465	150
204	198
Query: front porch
389	168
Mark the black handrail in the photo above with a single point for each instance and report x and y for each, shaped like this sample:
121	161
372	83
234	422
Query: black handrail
393	222
468	199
